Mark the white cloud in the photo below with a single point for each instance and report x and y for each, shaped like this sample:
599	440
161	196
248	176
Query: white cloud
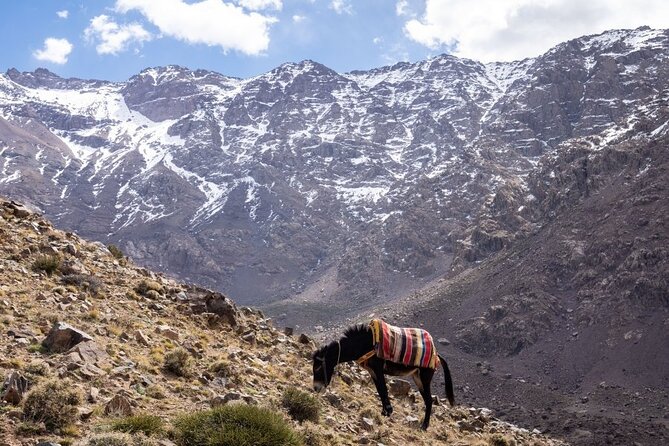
377	40
63	14
211	22
257	5
55	50
299	18
113	38
402	7
490	30
341	6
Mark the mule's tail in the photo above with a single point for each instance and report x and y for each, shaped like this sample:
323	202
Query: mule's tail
448	381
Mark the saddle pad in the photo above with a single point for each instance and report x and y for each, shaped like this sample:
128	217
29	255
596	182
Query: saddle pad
408	346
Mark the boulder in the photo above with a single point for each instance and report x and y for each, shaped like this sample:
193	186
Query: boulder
63	337
88	353
141	338
168	332
223	307
399	387
119	405
15	386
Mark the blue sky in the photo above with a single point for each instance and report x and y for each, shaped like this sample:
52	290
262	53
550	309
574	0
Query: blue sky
114	39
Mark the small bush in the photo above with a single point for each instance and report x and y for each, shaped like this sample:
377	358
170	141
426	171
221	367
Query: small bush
501	440
118	439
235	425
47	263
141	423
221	368
179	362
115	251
301	406
156	392
145	286
53	402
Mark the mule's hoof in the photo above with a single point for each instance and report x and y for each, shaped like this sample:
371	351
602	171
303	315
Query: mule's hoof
424	426
387	411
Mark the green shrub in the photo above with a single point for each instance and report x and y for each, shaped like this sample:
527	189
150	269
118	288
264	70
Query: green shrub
235	425
221	368
147	424
47	263
53	402
115	251
144	286
179	362
501	440
118	439
301	405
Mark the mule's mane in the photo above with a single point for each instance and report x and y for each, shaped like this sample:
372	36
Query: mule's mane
350	332
356	330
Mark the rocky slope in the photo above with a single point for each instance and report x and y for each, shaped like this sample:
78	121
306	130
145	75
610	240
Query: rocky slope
105	327
344	189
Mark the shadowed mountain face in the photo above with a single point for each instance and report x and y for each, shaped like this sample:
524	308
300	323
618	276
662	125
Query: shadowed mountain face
343	190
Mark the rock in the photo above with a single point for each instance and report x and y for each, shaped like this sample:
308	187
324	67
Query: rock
93	395
119	405
85	413
88	353
63	337
168	332
288	331
47	443
367	424
399	387
141	338
18	209
444	341
223	307
334	399
249	337
304	339
14	387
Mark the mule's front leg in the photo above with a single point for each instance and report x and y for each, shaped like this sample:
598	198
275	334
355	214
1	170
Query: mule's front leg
381	388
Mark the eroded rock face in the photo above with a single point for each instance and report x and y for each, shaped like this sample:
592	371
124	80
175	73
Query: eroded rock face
63	337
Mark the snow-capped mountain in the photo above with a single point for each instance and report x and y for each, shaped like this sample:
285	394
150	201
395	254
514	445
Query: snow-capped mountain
304	181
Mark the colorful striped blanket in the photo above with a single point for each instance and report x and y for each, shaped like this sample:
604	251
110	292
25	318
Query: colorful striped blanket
408	346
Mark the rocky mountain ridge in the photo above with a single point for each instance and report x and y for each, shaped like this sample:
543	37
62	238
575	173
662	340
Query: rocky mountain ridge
340	189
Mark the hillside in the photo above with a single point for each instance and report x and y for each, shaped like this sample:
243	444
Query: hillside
133	319
303	185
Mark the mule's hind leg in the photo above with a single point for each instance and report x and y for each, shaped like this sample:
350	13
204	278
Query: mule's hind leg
423	379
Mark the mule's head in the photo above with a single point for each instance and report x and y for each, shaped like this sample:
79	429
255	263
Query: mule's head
324	362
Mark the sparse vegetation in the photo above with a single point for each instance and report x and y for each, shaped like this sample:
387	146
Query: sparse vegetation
150	425
84	282
54	403
235	425
116	252
118	439
144	286
301	406
47	263
179	362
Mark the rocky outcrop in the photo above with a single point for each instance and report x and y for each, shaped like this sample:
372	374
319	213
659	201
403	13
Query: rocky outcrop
63	337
